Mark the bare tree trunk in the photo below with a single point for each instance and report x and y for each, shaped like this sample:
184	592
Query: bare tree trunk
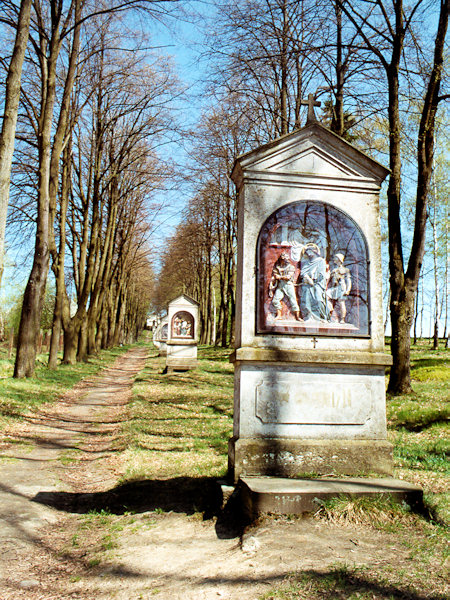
82	352
444	334
404	284
401	303
337	122
416	313
35	289
435	265
59	261
7	136
71	335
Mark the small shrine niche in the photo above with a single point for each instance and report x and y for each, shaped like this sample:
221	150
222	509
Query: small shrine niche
160	334
182	339
312	273
183	325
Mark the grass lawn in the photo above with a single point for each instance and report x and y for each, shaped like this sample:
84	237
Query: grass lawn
180	423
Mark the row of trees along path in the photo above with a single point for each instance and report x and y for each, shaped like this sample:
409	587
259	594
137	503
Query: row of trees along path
93	118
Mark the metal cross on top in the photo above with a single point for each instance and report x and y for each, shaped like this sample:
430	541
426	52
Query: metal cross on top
311	103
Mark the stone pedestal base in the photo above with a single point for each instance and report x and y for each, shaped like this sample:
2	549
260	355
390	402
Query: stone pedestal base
261	495
181	364
181	355
292	458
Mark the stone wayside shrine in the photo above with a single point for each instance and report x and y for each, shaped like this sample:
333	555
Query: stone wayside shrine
160	337
309	391
182	339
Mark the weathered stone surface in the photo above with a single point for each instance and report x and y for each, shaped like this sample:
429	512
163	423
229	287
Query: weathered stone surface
309	390
294	457
160	336
298	496
181	363
275	355
310	401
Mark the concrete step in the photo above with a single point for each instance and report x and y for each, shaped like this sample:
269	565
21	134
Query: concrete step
261	495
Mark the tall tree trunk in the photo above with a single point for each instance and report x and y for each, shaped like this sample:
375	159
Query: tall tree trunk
416	314
337	122
284	73
35	289
82	352
62	137
8	132
59	261
71	336
404	285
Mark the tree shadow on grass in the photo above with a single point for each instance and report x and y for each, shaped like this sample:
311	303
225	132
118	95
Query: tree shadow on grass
345	582
420	363
186	495
422	422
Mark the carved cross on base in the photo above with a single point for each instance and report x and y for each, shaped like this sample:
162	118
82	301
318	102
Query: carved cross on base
311	103
314	341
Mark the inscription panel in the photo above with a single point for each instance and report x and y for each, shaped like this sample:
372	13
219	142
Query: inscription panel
313	401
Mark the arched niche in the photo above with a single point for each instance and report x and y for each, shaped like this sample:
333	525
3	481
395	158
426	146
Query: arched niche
312	273
182	326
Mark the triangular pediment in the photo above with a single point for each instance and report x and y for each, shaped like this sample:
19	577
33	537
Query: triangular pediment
184	300
311	160
312	151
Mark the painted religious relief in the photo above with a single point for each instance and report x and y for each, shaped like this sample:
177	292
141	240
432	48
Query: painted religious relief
312	272
183	325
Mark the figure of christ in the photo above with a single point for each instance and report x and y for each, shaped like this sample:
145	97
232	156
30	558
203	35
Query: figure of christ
339	287
281	286
177	326
313	281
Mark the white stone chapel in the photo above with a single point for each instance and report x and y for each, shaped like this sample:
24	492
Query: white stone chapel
309	353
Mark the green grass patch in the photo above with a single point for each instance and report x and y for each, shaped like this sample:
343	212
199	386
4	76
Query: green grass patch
180	423
418	428
428	451
429	404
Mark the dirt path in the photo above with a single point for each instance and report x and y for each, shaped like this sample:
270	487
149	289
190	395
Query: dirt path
82	425
70	466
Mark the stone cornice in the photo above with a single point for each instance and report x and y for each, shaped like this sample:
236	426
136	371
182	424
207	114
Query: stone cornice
316	357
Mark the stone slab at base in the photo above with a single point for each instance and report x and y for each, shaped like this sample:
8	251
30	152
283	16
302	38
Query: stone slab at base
297	496
279	457
181	364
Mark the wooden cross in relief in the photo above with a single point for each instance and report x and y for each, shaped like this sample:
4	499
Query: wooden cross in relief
311	103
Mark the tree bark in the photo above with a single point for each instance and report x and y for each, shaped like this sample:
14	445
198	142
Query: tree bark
337	122
35	289
7	136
